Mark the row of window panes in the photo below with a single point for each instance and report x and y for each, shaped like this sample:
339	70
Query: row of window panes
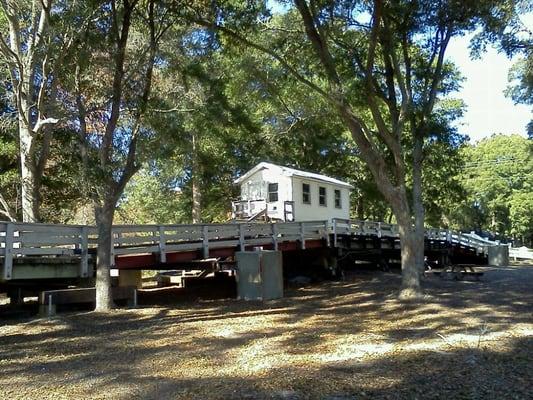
306	194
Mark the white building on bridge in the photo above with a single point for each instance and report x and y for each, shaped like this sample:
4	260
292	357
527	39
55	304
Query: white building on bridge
274	192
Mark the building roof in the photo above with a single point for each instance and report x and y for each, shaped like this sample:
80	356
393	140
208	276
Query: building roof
291	172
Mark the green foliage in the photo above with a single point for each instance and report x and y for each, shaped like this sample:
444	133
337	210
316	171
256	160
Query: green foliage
150	199
498	178
9	174
521	216
520	87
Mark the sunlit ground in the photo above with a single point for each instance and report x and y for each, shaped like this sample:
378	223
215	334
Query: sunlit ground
342	340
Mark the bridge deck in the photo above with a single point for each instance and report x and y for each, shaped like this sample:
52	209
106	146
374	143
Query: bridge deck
164	246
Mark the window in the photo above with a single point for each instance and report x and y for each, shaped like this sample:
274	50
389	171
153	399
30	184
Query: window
272	192
322	195
338	203
306	193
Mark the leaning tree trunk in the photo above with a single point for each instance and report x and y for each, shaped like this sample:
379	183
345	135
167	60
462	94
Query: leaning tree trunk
30	184
104	220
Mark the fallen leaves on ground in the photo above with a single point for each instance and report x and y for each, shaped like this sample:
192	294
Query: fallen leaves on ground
334	340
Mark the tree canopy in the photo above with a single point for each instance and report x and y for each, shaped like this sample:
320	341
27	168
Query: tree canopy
153	108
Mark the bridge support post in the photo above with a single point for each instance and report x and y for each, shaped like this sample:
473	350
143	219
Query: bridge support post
113	237
334	232
205	241
84	248
302	235
162	245
274	236
326	232
241	237
8	258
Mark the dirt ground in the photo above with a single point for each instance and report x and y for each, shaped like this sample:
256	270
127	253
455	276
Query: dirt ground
334	340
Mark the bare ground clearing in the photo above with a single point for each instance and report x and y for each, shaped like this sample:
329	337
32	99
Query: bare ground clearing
342	340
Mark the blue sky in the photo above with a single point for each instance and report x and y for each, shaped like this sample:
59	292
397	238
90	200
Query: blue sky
488	110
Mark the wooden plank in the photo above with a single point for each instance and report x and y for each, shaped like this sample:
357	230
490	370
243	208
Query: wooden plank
136	250
184	246
56	230
38	251
223	243
259	242
289	238
83	295
290	227
132	240
74	242
185	235
134	228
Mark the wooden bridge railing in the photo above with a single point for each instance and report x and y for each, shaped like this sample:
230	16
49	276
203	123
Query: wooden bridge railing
20	239
381	229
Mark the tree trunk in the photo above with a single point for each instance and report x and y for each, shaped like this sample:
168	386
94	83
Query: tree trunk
196	189
408	244
104	220
418	203
360	208
396	195
30	183
410	272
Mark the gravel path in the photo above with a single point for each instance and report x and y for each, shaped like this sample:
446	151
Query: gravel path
341	340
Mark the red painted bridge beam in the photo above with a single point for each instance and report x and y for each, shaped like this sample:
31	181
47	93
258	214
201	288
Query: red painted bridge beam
173	259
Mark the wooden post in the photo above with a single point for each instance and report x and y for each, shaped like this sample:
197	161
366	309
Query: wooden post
205	241
241	237
302	235
326	232
84	247
349	228
379	229
8	258
112	254
274	236
334	232
50	312
162	245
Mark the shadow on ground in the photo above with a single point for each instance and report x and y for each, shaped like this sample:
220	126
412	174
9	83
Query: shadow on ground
341	340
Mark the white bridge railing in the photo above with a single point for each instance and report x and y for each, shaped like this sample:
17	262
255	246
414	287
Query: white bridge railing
20	239
522	253
381	229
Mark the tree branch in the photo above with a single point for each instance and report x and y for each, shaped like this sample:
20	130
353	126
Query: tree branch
319	44
269	52
7	212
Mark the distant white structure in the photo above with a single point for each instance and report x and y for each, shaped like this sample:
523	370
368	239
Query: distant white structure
274	192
